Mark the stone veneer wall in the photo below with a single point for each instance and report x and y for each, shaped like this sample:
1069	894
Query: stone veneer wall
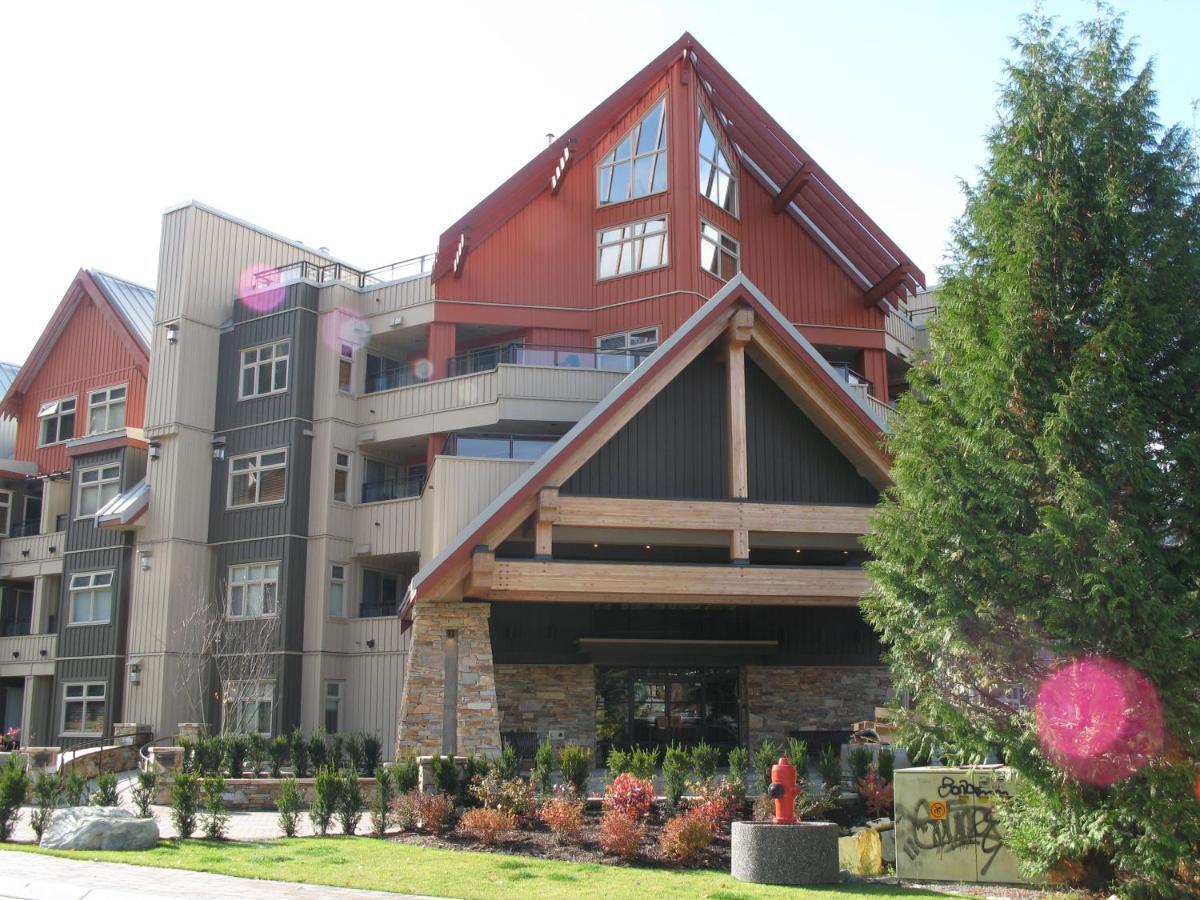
544	697
818	698
420	719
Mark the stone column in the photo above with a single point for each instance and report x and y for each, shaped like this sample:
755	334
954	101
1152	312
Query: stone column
423	707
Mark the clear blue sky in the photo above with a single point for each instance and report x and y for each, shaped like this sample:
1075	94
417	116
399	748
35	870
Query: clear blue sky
369	127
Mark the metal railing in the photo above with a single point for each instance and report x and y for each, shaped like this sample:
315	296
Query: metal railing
392	489
404	376
28	528
519	353
333	273
849	376
498	446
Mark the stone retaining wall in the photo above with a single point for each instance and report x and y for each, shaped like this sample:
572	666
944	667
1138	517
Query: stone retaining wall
781	699
92	762
545	698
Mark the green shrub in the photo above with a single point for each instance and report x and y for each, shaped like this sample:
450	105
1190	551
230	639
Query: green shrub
886	765
47	790
797	754
74	788
277	750
445	774
643	763
766	756
298	748
860	759
475	768
575	764
187	748
739	768
337	751
497	792
543	768
106	790
14	782
705	758
352	746
185	802
327	789
143	792
209	752
372	753
350	803
381	802
256	754
318	751
509	763
676	770
407	774
618	762
288	805
236	748
216	820
829	763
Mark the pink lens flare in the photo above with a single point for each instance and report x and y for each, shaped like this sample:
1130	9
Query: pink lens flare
1099	720
422	369
344	328
261	287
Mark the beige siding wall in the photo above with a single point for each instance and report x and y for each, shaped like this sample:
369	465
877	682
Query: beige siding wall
22	656
459	488
27	557
388	527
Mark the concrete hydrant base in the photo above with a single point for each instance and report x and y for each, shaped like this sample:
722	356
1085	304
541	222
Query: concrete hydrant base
804	853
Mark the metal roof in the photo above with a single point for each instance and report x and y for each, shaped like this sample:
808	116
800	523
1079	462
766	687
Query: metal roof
134	302
8	371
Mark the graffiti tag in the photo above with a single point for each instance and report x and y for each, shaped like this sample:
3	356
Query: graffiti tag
963	788
957	826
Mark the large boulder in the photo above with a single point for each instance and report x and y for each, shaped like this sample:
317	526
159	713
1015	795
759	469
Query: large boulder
98	828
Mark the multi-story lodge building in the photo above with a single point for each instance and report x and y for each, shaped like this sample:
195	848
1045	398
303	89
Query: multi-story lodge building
595	472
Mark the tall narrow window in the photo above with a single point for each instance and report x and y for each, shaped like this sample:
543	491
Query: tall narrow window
5	512
96	487
717	181
257	478
57	419
265	369
719	253
341	476
637	165
253	590
632	248
91	598
337	591
333	706
346	369
106	410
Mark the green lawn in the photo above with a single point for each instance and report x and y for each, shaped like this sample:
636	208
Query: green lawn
391	866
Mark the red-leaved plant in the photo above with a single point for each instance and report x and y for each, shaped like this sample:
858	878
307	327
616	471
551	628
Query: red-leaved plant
562	814
621	834
685	837
877	793
630	795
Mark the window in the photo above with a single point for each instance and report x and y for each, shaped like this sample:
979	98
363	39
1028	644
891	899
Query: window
333	706
249	707
84	709
719	252
380	595
622	352
346	369
265	369
337	591
257	478
58	421
637	166
717	181
5	511
106	410
253	590
341	476
631	248
91	598
96	487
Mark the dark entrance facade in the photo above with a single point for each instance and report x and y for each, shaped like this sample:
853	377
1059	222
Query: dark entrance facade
656	707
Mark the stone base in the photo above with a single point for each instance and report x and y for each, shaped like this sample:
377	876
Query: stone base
804	853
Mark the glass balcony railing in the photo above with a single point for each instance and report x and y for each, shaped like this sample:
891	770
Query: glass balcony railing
333	273
519	353
499	446
392	489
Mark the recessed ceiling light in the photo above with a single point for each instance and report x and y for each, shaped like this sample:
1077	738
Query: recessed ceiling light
647	546
595	546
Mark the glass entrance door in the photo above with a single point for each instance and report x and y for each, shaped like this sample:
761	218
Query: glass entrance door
657	707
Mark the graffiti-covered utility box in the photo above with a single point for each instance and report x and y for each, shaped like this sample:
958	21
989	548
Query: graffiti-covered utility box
945	827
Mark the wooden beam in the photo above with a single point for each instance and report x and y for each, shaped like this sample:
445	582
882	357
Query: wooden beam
598	582
483	565
547	515
712	515
888	283
739	546
792	188
739	471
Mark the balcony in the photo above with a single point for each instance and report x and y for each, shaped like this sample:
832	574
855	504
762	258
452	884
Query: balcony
499	446
392	489
340	273
27	557
860	387
31	527
29	654
519	353
387	527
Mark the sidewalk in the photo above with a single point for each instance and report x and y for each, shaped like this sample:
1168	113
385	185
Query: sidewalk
51	878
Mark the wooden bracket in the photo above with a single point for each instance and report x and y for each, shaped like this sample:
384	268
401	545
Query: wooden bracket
741	325
887	284
547	515
483	564
792	189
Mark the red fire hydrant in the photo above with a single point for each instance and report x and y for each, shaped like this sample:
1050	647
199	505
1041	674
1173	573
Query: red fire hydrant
783	791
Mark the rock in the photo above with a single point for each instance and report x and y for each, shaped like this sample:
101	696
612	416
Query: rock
862	853
887	840
98	828
804	853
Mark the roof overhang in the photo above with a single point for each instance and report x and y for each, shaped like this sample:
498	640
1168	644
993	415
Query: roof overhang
124	510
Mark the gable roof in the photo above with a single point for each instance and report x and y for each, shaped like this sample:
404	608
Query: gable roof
8	371
684	345
129	306
772	157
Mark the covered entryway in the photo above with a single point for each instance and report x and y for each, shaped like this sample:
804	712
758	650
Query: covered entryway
657	707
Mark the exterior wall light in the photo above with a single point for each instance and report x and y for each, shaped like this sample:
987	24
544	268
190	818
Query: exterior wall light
154	451
219	452
135	673
173	333
144	559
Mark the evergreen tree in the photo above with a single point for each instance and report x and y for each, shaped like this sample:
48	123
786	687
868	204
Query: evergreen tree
1047	461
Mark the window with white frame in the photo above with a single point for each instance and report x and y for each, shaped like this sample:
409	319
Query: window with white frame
265	369
57	419
333	706
91	598
106	410
717	180
97	486
341	476
249	707
253	590
337	591
719	253
5	512
623	352
632	248
637	165
257	478
84	707
346	369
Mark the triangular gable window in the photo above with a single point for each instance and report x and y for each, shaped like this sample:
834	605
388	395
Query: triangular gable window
637	166
717	181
